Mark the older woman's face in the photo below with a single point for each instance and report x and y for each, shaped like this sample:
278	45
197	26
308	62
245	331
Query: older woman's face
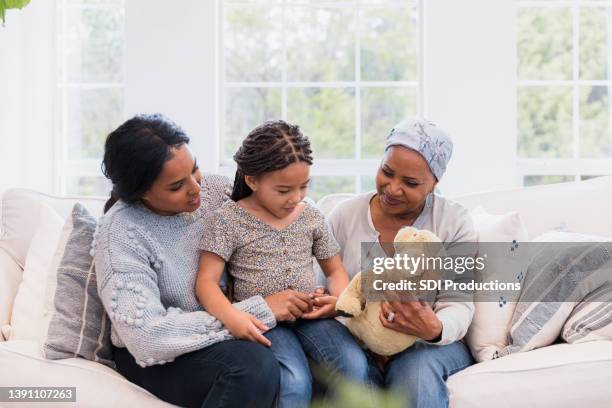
177	188
403	181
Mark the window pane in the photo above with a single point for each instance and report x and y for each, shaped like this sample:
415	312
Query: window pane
368	183
539	180
92	115
384	1
245	108
544	43
595	122
381	109
77	2
545	122
583	178
320	44
251	1
389	44
318	1
94	42
253	43
323	185
88	186
596	43
327	117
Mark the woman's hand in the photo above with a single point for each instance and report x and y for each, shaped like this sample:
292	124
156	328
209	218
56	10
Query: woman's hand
245	326
415	317
324	307
289	305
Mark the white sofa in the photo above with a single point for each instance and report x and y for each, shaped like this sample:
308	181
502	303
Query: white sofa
560	375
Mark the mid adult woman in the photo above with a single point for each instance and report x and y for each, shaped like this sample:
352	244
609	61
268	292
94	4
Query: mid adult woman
146	260
416	155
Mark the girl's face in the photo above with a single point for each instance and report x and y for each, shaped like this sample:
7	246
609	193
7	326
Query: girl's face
403	181
280	191
177	188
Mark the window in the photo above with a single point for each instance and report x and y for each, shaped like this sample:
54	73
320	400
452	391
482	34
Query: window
90	89
564	109
345	71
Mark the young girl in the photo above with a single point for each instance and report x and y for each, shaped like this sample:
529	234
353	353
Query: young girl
267	236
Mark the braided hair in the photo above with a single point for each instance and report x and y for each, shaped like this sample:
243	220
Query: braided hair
271	146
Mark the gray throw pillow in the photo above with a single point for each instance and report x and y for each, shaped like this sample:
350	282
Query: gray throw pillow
77	323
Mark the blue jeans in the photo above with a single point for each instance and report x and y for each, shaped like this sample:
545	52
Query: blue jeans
419	373
325	342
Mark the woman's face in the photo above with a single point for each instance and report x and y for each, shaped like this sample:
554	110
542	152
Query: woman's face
177	188
403	181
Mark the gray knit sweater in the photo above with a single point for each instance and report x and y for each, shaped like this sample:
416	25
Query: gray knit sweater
146	266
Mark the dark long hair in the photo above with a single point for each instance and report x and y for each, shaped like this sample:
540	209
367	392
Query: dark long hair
269	147
135	153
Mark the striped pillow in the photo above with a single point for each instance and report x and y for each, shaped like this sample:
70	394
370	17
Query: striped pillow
75	323
591	319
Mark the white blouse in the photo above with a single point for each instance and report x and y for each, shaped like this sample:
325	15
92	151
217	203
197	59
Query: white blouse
351	224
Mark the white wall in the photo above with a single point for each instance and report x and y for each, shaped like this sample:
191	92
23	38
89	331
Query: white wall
470	74
170	67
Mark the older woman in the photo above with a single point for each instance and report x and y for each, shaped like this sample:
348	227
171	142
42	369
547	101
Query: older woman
416	155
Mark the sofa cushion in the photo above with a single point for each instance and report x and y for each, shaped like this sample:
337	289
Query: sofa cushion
10	277
74	320
19	209
96	384
561	375
26	317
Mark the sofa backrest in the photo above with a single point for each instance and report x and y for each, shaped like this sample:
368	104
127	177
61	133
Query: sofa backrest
582	207
19	210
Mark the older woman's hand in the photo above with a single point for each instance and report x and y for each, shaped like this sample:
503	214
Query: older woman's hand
415	317
289	305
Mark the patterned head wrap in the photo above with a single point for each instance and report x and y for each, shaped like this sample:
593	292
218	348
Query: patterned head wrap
423	136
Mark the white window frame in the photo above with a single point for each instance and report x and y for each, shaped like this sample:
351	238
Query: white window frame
574	166
64	166
475	101
356	167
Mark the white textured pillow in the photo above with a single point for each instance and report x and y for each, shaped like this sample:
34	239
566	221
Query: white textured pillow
498	228
488	332
27	314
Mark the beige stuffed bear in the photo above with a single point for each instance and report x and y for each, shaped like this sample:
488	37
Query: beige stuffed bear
363	321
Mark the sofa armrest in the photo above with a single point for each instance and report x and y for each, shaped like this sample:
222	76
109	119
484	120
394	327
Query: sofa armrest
10	278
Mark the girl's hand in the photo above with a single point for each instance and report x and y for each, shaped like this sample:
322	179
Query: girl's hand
325	307
289	305
245	326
